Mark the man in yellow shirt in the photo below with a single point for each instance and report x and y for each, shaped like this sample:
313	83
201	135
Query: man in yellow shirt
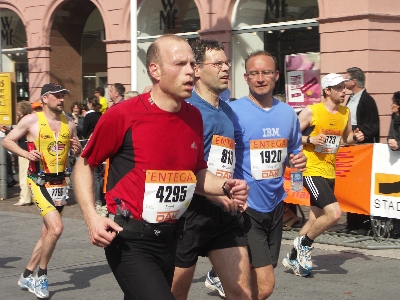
328	122
49	136
99	93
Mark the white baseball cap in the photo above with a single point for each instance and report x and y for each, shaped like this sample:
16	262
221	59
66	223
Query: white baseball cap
331	79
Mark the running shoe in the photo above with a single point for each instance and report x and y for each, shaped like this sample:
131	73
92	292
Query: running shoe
214	284
303	253
41	285
26	283
294	266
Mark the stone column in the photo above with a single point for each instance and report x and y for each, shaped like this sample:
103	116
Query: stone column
363	34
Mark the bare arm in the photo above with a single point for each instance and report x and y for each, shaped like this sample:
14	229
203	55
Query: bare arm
24	127
350	137
101	230
305	117
75	145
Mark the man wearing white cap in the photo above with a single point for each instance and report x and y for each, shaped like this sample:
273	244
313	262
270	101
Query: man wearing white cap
49	136
328	122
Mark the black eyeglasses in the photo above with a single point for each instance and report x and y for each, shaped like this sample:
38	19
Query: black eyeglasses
219	64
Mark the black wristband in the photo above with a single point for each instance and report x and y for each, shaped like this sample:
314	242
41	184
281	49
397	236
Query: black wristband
308	140
355	139
225	191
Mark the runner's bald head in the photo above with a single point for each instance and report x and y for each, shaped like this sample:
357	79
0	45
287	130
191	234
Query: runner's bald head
154	52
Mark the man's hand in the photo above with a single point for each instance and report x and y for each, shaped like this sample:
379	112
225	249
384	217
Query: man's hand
299	160
318	140
75	146
102	230
359	136
238	189
393	144
33	155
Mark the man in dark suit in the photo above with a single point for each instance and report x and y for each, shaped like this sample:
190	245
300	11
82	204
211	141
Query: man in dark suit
364	116
363	109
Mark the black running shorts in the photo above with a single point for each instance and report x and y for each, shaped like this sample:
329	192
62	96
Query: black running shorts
207	227
320	190
264	232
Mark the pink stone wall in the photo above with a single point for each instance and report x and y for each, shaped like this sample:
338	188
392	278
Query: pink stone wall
215	20
364	34
38	18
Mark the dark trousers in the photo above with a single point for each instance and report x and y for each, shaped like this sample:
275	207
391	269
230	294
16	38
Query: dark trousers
143	267
357	221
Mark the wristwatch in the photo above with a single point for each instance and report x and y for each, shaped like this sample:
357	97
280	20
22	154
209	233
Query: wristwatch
226	191
355	139
308	140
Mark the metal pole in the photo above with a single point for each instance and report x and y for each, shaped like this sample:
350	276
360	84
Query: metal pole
3	153
1	52
3	170
134	86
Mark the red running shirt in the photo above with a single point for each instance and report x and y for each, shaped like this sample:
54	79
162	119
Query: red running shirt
137	136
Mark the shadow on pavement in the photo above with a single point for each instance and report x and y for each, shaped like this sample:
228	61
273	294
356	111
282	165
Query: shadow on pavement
5	260
80	278
332	263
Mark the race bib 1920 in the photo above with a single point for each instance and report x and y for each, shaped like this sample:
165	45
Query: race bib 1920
267	158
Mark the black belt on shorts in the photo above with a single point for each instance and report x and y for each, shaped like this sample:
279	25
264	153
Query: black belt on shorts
127	223
50	178
146	229
54	178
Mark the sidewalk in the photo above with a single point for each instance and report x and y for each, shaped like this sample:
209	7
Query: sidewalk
78	270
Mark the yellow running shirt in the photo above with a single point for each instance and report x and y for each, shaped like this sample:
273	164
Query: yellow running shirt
53	148
321	160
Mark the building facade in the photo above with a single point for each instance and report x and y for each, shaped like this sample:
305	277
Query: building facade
82	44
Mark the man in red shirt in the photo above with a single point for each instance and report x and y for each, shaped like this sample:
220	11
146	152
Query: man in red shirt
155	145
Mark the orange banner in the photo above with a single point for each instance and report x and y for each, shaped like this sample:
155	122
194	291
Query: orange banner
353	180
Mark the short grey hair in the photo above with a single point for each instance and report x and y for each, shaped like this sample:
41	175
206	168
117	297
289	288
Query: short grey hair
358	75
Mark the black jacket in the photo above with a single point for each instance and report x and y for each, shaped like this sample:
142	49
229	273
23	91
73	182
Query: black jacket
394	132
368	118
89	122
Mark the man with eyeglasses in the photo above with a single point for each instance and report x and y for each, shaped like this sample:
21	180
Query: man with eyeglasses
328	122
209	229
267	132
50	135
365	116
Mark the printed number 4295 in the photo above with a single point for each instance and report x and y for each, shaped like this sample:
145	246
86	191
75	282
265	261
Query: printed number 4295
170	193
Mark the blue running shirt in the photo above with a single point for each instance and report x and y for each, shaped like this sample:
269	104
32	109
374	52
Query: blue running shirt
264	139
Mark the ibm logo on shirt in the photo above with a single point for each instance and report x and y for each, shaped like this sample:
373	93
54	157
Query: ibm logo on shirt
268	132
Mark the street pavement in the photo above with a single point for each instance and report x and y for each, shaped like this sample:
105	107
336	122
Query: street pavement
79	270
